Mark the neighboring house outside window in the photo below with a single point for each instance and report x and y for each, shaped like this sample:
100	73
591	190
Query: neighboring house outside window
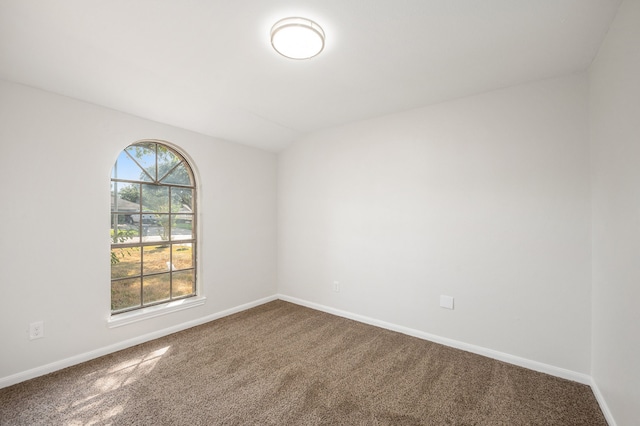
153	224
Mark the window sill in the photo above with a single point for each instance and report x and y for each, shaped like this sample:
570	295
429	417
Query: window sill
125	318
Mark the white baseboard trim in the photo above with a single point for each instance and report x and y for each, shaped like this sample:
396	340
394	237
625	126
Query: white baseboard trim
603	403
490	353
87	356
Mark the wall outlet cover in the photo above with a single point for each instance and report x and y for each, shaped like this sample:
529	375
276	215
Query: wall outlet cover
36	330
446	302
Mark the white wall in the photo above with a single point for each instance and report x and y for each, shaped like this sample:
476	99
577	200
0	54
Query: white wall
615	135
485	199
57	155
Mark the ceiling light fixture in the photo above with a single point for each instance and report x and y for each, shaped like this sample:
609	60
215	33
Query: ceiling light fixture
297	38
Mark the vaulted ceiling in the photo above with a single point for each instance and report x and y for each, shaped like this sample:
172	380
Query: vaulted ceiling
208	66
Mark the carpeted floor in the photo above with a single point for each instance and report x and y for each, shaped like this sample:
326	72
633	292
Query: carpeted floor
283	364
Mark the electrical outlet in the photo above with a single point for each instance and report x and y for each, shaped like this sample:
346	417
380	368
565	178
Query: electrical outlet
36	330
336	286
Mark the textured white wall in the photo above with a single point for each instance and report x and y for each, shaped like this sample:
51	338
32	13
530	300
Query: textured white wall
57	155
615	134
485	199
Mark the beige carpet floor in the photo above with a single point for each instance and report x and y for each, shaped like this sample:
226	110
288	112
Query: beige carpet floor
283	364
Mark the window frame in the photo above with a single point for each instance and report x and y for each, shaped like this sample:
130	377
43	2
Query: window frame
147	309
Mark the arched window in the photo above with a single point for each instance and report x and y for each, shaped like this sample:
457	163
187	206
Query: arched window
153	224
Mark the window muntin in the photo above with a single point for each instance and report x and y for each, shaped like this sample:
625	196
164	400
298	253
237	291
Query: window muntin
153	224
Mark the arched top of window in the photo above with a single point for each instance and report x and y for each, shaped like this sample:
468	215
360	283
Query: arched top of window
152	162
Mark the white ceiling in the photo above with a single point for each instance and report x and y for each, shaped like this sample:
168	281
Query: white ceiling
208	66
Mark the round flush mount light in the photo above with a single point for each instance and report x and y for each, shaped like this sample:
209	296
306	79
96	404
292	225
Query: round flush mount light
297	38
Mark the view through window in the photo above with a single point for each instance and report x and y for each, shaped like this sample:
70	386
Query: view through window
153	239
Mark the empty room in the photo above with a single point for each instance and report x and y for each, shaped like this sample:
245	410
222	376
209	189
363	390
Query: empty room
319	212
